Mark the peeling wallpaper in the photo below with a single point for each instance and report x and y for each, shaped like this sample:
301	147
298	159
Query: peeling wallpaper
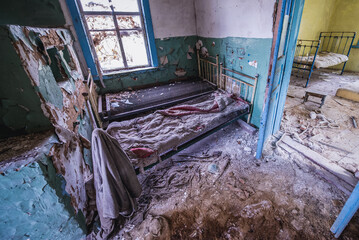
62	103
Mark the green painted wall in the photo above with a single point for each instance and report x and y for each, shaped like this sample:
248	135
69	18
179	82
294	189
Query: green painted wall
20	110
236	53
175	48
345	18
316	18
30	207
36	13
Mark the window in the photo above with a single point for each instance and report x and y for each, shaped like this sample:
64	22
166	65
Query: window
116	30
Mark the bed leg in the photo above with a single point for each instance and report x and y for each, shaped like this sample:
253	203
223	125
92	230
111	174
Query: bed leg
343	68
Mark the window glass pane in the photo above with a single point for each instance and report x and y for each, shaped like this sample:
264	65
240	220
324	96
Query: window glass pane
135	48
95	5
100	22
125	6
107	49
127	22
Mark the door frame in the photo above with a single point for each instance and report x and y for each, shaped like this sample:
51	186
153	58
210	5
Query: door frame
297	10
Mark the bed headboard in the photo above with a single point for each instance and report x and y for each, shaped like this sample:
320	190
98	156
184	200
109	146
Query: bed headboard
93	101
232	81
336	42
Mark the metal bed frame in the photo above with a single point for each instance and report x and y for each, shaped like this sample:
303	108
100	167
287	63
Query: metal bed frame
335	42
231	81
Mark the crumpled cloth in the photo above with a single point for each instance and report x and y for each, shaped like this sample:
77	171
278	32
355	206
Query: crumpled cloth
219	103
115	180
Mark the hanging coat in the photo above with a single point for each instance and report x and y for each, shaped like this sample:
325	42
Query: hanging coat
115	180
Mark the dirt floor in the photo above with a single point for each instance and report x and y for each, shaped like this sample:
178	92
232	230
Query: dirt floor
217	190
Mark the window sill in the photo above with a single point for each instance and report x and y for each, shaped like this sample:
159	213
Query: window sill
124	72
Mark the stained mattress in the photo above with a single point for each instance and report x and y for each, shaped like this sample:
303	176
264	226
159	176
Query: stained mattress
323	59
164	130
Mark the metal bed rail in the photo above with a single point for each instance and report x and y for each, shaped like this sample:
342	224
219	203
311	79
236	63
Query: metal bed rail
231	81
303	65
208	70
337	42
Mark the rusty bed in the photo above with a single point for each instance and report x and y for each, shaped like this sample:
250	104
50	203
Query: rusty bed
229	84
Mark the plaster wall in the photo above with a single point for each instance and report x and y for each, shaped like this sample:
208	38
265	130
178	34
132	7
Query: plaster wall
241	33
173	18
316	18
20	107
345	18
36	13
231	18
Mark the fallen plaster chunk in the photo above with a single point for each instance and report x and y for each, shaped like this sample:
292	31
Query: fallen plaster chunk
180	72
164	60
247	149
312	115
253	63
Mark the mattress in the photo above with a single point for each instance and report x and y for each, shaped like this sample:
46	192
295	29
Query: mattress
323	59
127	102
164	130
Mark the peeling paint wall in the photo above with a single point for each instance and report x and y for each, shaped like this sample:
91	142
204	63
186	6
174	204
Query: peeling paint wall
175	34
20	107
172	55
62	103
30	206
247	55
241	33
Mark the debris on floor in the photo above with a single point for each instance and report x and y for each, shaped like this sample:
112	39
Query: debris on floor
329	130
217	190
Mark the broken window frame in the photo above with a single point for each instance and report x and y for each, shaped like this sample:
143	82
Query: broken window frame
114	14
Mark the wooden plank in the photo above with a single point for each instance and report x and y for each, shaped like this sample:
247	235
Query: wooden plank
318	159
331	178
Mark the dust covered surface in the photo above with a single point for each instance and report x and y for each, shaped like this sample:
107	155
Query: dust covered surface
162	133
328	130
216	189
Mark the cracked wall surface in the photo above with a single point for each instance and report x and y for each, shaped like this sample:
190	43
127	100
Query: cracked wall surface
61	102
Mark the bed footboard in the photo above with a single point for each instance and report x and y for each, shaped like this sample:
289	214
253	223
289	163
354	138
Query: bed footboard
305	54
